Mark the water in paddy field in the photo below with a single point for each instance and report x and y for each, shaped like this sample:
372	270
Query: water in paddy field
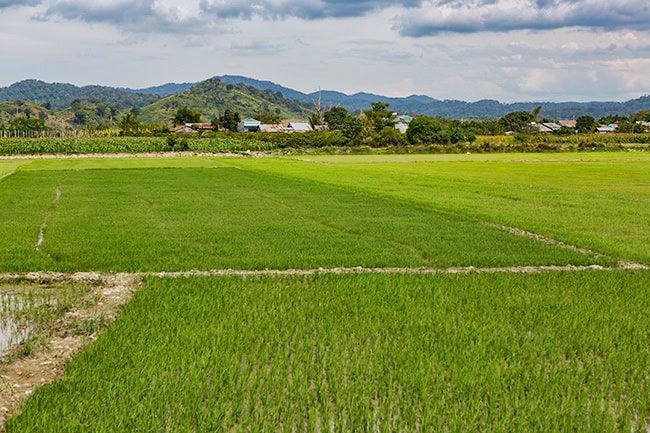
11	331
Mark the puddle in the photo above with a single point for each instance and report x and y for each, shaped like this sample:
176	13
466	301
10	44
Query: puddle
17	312
11	331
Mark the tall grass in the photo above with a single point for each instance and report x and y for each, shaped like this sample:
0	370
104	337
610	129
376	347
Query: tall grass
498	353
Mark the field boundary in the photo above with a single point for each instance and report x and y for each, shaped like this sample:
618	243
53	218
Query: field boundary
47	276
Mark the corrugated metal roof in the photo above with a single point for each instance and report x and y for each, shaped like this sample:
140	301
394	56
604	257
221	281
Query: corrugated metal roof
271	128
300	126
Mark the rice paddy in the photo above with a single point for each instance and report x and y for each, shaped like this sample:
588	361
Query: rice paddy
411	293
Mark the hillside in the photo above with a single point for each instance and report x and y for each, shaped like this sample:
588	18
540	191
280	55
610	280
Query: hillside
251	96
455	109
213	96
60	95
9	111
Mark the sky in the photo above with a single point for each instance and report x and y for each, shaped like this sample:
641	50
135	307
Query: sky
509	50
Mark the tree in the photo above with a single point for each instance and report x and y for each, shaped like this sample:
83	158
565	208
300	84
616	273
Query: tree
535	113
625	126
129	124
585	124
314	120
79	118
389	136
641	116
379	116
25	124
268	118
228	120
335	117
351	128
517	121
186	115
423	130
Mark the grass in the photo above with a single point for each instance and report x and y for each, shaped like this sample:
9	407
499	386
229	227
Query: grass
596	201
8	167
201	218
500	352
481	352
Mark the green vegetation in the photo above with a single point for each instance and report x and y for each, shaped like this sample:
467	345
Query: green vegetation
37	146
493	350
595	201
210	98
213	218
498	353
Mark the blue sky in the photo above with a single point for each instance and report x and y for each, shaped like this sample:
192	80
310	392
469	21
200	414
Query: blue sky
510	50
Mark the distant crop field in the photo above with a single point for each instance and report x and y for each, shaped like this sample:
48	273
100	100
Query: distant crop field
368	293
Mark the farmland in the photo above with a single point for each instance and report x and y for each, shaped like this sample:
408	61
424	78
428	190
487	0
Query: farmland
346	293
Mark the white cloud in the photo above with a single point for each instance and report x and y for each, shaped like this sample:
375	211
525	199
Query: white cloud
438	16
100	43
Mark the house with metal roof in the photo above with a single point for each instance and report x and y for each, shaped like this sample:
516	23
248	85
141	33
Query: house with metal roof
299	127
249	125
271	128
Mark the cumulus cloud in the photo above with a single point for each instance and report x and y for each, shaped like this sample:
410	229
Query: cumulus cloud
17	3
141	16
304	9
473	16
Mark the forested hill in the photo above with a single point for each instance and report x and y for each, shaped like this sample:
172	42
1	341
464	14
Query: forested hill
212	97
61	95
252	96
454	109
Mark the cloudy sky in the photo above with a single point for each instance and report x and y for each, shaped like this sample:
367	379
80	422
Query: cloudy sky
511	50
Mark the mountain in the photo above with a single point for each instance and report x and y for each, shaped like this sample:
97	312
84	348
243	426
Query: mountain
455	109
61	95
163	90
213	96
267	85
257	95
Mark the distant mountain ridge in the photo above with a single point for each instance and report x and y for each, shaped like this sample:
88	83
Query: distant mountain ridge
61	96
455	109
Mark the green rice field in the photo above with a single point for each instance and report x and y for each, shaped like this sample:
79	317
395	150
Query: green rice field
492	293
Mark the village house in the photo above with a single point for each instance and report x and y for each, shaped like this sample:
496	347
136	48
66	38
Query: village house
249	125
192	127
271	128
298	127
